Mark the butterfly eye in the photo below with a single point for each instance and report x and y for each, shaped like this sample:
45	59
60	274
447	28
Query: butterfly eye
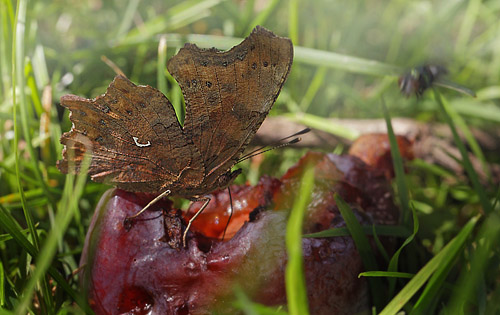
228	177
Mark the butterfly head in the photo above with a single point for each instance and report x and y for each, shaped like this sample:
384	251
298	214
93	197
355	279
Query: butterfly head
227	178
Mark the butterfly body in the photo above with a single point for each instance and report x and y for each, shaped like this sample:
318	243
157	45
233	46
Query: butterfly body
136	142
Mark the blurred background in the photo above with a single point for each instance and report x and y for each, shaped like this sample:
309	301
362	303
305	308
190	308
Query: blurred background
348	55
66	41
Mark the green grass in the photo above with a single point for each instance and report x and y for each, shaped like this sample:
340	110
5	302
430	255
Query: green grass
348	55
294	274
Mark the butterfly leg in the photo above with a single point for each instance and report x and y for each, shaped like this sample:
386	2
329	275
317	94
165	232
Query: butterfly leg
152	202
231	214
207	200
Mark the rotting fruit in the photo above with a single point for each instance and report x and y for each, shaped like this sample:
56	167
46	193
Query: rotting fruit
141	270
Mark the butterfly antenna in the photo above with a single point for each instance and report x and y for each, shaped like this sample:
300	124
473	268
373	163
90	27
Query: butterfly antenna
261	149
230	215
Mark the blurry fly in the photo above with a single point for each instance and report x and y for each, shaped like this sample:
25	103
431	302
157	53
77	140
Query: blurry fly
421	78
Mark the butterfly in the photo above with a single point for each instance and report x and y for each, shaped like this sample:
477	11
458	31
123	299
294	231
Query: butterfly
136	141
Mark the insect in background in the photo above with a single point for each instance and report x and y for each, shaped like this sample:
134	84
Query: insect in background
421	78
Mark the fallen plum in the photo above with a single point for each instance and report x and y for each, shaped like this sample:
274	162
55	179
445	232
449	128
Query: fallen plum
139	270
374	149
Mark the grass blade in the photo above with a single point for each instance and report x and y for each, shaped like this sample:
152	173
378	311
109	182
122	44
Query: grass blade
5	41
18	84
403	195
443	107
467	133
344	62
303	55
293	21
67	209
382	230
175	97
162	65
426	272
487	111
180	15
397	161
2	285
467	25
486	242
263	16
314	87
128	18
26	119
10	225
31	83
363	246
320	123
387	274
244	303
295	282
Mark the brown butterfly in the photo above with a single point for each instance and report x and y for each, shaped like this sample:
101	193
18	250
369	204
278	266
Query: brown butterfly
137	142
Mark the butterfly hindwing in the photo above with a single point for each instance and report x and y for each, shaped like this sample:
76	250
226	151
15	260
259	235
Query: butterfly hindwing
228	94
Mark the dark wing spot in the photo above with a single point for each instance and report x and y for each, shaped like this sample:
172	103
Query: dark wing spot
241	55
228	87
266	63
129	112
159	127
204	63
203	118
254	66
209	84
212	98
194	82
224	63
240	111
